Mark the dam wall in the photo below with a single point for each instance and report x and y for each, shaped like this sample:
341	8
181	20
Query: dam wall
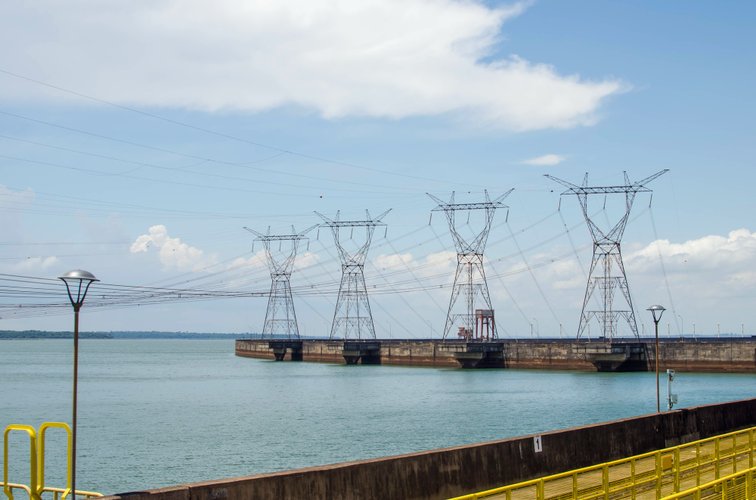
703	355
448	472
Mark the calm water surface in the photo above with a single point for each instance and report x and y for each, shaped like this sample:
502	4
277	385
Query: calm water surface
161	412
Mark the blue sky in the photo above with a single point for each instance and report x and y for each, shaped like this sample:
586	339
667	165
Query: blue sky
138	138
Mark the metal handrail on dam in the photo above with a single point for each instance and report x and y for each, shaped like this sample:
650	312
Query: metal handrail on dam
695	470
36	487
738	486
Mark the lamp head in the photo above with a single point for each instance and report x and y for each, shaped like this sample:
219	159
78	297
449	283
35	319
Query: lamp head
77	284
656	312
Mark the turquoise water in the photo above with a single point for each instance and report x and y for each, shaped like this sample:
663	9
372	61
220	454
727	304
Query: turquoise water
161	412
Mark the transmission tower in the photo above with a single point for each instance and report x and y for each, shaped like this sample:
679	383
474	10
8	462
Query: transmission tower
280	318
470	279
607	256
352	317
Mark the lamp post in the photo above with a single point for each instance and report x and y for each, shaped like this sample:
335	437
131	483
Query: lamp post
656	312
77	284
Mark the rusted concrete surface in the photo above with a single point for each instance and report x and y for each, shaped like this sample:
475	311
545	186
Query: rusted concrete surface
455	471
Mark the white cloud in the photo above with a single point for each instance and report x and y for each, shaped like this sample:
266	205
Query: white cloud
389	59
305	260
439	262
10	200
173	253
711	267
393	261
33	264
566	274
256	261
548	160
723	254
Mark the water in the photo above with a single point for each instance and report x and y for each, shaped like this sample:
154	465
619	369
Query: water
161	412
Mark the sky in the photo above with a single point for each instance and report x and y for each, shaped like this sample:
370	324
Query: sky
139	138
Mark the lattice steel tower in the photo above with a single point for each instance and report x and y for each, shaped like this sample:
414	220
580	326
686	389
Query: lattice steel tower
280	318
607	256
352	317
470	278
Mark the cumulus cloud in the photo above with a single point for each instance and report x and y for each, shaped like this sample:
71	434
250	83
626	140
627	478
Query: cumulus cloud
566	274
305	260
255	261
173	253
10	199
258	260
33	264
393	261
714	252
441	261
548	160
389	59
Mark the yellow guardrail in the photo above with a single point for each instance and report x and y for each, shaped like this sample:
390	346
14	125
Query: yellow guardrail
31	490
738	486
659	473
37	487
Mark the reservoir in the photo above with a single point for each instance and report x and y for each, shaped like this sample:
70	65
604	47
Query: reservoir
161	412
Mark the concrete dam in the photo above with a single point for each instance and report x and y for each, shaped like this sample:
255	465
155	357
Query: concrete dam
735	354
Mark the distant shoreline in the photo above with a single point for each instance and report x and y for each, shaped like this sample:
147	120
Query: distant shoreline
47	335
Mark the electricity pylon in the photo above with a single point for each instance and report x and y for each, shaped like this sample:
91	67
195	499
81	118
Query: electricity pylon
470	278
606	256
280	318
352	317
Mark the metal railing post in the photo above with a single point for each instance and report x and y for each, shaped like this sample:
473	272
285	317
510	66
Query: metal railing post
33	493
676	465
41	444
605	481
657	458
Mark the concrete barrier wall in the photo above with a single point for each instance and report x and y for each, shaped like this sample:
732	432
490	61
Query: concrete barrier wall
684	355
455	471
709	355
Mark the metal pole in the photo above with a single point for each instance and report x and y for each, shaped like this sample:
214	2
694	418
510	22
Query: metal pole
656	359
75	400
78	278
670	378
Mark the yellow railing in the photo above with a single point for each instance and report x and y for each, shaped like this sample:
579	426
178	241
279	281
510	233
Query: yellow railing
738	486
660	473
36	487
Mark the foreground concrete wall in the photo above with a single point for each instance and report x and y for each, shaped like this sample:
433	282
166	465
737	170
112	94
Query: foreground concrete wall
454	471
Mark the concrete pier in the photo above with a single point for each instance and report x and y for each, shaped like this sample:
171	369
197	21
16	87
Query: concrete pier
702	355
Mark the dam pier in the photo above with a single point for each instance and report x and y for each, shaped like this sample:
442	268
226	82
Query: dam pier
736	354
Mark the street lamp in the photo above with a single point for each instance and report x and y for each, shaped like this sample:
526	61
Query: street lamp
77	284
656	312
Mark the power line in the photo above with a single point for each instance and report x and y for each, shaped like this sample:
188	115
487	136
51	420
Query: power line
221	134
